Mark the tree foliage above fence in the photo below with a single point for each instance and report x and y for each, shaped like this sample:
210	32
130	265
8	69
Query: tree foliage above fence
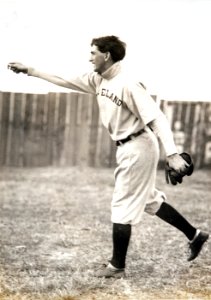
65	129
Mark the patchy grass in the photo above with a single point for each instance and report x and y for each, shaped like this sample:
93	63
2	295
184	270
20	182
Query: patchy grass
56	230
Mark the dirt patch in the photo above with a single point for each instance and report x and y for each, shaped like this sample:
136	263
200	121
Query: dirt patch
56	230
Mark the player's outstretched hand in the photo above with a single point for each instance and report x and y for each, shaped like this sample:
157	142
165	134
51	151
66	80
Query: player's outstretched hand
17	67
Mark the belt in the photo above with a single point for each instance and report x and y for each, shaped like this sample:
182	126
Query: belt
129	138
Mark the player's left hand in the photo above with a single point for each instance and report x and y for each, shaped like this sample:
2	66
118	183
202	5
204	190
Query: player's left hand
177	163
177	166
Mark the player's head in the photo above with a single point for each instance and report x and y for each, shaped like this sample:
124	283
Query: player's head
111	44
105	51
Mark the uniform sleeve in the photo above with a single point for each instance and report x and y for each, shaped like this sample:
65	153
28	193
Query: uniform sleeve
161	128
144	107
86	83
141	103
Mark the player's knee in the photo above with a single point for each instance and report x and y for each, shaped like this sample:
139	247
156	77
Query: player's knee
152	207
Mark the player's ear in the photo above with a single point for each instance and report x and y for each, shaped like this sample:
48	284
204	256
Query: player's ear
107	56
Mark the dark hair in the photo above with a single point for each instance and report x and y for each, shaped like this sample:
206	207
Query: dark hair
111	44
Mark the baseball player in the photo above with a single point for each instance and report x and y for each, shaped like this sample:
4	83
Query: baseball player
135	122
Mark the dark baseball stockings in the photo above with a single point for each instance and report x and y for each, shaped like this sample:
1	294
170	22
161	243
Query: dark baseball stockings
121	238
168	214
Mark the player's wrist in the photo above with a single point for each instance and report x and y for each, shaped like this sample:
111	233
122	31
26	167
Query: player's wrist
172	155
30	71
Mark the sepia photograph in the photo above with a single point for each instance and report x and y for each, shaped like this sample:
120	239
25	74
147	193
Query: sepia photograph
105	150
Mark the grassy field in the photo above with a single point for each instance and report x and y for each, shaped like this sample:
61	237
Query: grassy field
56	230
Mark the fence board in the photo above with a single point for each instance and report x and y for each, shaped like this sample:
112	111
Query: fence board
93	138
61	127
64	159
15	138
182	116
10	128
50	147
73	132
201	138
4	127
83	131
189	125
28	150
40	131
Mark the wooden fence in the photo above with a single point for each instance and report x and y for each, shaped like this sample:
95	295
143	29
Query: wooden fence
65	129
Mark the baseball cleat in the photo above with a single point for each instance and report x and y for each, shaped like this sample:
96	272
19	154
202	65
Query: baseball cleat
196	245
108	271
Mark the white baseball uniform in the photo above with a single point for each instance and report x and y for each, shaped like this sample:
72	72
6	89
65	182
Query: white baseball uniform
125	108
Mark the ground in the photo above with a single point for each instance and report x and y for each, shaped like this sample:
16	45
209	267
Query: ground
55	231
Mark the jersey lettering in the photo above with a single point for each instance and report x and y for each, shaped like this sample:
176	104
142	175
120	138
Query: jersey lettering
111	96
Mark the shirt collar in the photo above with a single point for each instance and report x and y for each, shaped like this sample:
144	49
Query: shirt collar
112	71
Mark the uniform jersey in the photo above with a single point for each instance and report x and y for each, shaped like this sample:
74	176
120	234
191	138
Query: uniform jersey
125	107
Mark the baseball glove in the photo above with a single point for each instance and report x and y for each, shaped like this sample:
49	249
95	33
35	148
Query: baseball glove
175	177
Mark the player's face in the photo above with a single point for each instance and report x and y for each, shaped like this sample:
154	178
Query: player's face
98	59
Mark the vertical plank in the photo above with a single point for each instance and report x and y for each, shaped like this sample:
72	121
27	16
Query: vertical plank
181	110
194	129
208	120
5	111
181	114
188	113
21	152
39	128
39	159
72	147
51	142
1	109
33	138
189	124
34	131
207	158
55	136
201	137
82	130
179	126
93	138
64	159
10	130
28	131
61	127
45	128
15	140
